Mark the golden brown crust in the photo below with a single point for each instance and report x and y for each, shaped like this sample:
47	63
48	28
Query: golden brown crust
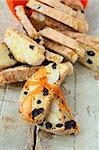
16	74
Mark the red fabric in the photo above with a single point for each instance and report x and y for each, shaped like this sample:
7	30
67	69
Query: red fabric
84	2
13	3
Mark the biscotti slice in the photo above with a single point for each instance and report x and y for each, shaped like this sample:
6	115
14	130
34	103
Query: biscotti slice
76	4
16	74
6	58
28	26
50	56
23	48
60	120
20	12
64	8
91	58
40	21
68	53
37	94
60	16
62	39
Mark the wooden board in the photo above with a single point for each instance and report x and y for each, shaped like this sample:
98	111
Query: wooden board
82	94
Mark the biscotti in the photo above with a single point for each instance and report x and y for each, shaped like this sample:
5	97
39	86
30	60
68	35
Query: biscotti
91	58
63	7
56	58
60	120
40	21
60	16
76	4
62	39
35	35
16	74
23	48
20	12
68	53
6	58
27	25
36	95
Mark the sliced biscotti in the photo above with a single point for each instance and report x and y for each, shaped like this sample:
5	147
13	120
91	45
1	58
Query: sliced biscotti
24	49
20	12
35	35
50	56
62	7
40	21
28	26
60	16
37	94
76	4
16	74
62	39
91	58
60	120
6	58
68	53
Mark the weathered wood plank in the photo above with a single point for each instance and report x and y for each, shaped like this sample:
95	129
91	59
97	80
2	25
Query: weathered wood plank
87	102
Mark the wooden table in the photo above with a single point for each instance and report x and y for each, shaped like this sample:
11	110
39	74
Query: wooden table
83	97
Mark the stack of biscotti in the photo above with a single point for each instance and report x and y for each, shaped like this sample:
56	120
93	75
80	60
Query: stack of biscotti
50	14
21	57
55	41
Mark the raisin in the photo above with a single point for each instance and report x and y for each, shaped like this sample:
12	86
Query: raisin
38	101
25	93
70	124
89	61
90	53
46	62
82	11
74	9
38	40
48	125
31	46
54	66
59	125
27	65
63	2
45	92
27	8
37	112
11	56
39	7
25	30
